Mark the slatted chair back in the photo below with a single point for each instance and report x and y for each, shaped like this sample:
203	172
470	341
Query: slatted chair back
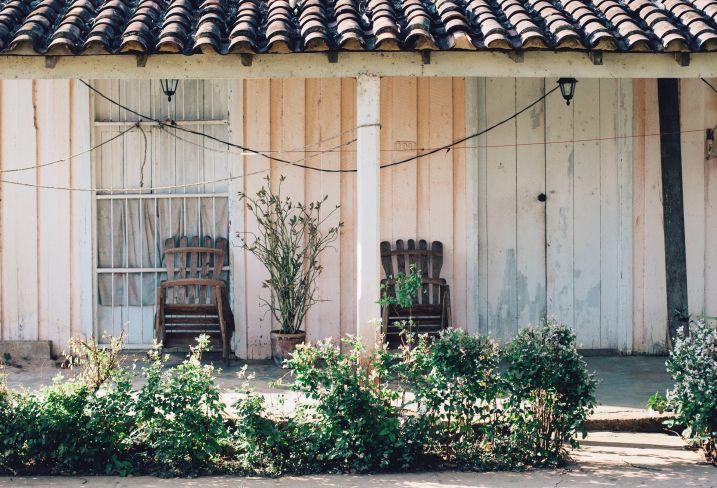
428	261
194	299
430	311
193	258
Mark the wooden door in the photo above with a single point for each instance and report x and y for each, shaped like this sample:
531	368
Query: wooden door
554	210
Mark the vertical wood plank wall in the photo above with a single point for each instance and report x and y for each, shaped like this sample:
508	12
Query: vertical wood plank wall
561	258
46	287
698	104
43	292
314	119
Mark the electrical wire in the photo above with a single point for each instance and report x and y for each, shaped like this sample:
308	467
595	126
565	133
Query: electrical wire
144	156
449	146
445	147
249	151
216	139
228	150
340	148
709	84
70	158
130	191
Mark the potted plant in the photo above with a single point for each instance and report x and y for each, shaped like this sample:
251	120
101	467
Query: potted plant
290	238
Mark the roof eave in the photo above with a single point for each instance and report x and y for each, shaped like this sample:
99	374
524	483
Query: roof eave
540	64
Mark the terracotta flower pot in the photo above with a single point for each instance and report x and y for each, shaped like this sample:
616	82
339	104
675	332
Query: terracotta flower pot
283	345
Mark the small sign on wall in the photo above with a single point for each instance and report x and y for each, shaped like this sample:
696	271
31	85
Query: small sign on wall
405	145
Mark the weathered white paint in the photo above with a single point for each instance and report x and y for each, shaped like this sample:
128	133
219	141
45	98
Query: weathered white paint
257	133
459	208
348	283
46	267
368	109
710	213
237	218
413	200
530	183
52	124
325	95
649	293
560	168
501	171
624	151
20	240
350	64
698	105
81	255
473	89
481	294
560	258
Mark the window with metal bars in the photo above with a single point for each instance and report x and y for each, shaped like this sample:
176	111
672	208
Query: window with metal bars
160	166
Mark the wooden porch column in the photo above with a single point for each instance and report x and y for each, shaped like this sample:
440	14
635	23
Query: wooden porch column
668	99
368	259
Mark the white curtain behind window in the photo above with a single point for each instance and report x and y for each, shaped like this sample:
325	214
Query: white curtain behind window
161	165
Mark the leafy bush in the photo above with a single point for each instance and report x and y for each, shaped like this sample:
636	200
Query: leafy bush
96	363
455	389
441	402
352	423
263	444
66	429
76	425
403	290
550	392
693	365
179	415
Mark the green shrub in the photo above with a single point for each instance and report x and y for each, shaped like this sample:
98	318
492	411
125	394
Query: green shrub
66	428
17	426
352	422
693	365
455	389
179	424
550	393
263	444
74	425
439	403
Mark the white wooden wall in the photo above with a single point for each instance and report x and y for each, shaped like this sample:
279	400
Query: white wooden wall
511	258
567	258
423	199
45	238
698	105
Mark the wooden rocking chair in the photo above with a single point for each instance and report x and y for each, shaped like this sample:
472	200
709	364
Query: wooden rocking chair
431	309
193	300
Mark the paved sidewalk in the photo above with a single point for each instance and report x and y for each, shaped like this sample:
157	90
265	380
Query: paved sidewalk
606	460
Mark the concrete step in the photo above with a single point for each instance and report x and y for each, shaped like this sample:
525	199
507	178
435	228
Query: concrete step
626	419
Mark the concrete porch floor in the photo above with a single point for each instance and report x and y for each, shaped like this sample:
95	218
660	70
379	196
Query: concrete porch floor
626	383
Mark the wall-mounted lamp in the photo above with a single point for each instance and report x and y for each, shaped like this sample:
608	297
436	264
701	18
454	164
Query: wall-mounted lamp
567	88
169	87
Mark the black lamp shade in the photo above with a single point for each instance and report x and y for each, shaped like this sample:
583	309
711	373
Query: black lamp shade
567	88
169	87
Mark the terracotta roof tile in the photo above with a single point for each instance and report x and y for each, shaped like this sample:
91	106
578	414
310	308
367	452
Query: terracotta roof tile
278	26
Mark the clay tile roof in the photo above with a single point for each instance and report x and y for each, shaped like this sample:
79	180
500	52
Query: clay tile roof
281	26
